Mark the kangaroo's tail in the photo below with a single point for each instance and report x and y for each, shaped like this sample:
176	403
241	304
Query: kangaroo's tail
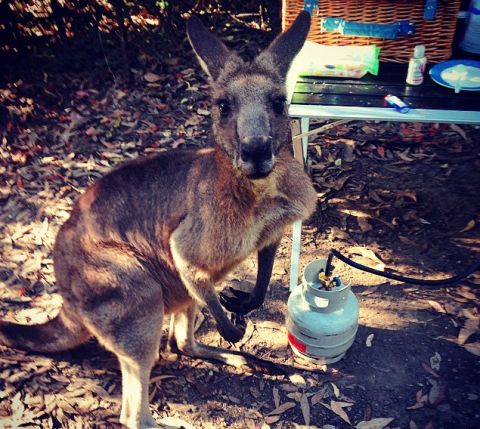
58	334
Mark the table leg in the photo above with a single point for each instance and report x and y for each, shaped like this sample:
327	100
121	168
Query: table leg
300	153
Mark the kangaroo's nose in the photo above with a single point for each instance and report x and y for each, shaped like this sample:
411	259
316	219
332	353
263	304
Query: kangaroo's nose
256	151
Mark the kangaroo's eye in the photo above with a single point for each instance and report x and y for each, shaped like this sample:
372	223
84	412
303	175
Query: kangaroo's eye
278	105
224	107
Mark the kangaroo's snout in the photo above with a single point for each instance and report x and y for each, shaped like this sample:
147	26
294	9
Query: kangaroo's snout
256	157
257	151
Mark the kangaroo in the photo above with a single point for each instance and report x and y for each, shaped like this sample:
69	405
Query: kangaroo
154	236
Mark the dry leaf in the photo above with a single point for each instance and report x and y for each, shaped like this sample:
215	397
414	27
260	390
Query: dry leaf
337	408
349	145
297	380
151	77
378	423
459	131
430	370
409	194
404	156
82	93
271	419
406	240
364	224
356	213
282	408
296	396
436	306
317	397
289	388
178	142
436	395
276	397
340	183
65	406
474	278
469	314
418	405
336	390
470	225
91	132
369	340
305	406
470	327
466	292
459	299
421	400
473	348
161	377
269	324
367	253
374	196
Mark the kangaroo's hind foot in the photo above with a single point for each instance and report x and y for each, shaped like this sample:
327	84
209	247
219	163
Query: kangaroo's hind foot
181	340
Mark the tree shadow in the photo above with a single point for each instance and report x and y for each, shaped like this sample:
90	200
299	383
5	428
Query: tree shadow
419	216
381	380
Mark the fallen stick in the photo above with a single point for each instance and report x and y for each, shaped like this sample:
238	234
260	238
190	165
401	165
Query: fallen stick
322	128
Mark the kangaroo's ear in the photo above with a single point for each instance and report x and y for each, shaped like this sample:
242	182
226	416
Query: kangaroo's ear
286	46
212	54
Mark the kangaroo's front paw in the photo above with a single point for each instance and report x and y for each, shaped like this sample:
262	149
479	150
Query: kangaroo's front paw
237	301
239	321
235	331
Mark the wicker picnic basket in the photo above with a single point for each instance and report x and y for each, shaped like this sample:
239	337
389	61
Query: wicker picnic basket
436	34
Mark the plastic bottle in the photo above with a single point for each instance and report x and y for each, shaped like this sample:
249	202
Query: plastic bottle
416	66
471	39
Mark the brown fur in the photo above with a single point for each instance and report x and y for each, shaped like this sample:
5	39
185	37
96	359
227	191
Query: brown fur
156	235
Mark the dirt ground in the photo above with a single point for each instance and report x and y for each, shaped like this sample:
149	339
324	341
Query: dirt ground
401	196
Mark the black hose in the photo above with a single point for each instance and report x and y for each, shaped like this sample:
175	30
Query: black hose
454	279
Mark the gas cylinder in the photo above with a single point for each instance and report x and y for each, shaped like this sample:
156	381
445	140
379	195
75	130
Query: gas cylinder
321	322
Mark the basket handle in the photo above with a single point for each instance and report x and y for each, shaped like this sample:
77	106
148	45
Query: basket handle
367	29
429	11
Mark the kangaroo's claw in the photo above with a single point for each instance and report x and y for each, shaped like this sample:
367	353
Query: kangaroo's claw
237	301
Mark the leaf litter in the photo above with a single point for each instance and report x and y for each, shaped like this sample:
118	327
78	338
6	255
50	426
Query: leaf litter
53	151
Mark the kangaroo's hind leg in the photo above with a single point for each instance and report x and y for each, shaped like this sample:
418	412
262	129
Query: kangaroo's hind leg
181	339
125	314
136	346
135	405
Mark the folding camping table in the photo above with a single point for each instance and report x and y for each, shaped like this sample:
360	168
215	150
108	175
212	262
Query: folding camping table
363	99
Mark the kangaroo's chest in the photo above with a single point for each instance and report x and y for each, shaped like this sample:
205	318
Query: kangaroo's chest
220	232
244	234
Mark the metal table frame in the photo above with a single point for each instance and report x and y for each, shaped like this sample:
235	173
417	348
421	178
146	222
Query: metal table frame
306	111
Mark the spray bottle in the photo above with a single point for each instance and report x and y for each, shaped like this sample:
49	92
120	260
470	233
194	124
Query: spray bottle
416	66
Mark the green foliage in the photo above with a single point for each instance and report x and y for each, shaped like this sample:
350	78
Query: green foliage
162	4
